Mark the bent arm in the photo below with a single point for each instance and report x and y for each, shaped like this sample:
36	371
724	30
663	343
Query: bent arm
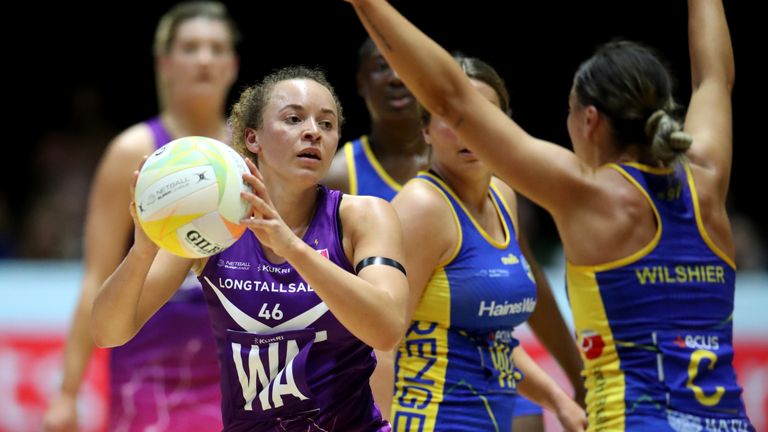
371	304
548	174
425	235
141	284
709	116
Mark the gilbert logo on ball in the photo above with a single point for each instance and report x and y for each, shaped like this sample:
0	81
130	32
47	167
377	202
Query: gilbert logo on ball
188	196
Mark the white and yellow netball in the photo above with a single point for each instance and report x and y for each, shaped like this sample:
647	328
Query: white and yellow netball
188	196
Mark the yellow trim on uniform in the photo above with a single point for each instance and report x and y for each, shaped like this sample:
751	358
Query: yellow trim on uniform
512	216
459	231
604	378
700	224
650	169
349	152
416	363
645	250
435	303
480	229
377	166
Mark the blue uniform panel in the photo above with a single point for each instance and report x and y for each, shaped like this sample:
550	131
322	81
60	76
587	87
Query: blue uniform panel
366	175
454	370
655	328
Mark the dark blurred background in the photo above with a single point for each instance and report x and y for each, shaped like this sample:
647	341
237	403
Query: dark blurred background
81	73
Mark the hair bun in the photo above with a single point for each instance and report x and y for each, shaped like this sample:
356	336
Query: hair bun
653	122
680	141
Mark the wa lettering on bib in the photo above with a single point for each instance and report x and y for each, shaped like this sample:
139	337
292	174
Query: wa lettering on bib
267	372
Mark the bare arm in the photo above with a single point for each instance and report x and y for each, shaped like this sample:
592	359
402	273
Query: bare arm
540	388
548	324
428	233
140	285
371	304
430	236
107	230
338	175
549	174
547	321
709	117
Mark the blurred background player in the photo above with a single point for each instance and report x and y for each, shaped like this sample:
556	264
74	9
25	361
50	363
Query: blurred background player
167	377
380	162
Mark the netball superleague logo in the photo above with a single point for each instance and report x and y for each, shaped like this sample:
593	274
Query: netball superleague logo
591	344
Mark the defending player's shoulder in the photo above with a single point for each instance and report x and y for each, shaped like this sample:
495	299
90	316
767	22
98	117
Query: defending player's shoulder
338	174
422	201
422	207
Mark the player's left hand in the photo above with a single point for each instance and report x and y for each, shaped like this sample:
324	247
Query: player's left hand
264	220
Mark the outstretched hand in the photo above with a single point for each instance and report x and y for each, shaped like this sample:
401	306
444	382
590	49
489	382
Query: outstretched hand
264	220
141	242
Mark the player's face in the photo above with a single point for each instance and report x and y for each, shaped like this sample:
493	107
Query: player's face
300	131
448	150
201	59
386	97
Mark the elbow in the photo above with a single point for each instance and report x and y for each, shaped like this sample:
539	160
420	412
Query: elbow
386	343
447	100
389	337
108	335
103	340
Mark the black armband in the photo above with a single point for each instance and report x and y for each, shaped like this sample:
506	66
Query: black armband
378	260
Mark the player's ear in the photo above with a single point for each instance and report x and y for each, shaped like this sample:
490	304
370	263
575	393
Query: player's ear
252	141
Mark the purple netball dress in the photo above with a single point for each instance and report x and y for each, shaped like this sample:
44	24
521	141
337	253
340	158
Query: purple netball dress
287	363
167	377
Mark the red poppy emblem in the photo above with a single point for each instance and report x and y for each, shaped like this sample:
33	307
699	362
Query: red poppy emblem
592	344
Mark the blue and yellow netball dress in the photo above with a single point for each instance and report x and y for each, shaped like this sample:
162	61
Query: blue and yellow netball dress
366	175
454	369
655	328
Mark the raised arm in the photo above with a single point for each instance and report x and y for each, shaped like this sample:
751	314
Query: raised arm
549	174
709	117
